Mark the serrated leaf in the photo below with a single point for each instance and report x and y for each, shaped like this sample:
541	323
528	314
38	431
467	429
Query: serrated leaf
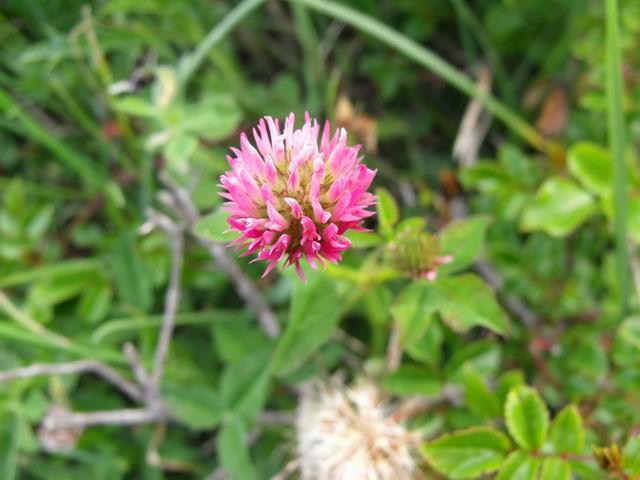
468	453
465	301
463	240
527	417
567	434
313	316
631	457
555	469
519	466
233	451
388	212
559	207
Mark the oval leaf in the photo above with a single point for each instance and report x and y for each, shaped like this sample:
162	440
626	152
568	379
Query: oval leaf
559	207
527	417
312	318
520	466
468	453
567	435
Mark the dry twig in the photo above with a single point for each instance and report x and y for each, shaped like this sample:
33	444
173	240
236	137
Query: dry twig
178	199
81	366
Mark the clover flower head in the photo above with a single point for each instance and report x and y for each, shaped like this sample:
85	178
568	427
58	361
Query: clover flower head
294	193
344	433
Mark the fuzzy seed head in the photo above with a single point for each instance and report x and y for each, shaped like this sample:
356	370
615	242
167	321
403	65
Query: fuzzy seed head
350	433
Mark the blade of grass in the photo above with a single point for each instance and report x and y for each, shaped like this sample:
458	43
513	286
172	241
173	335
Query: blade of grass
15	334
120	328
437	65
81	165
190	63
616	144
25	321
50	271
11	454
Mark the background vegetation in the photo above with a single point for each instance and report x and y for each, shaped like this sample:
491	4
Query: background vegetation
113	108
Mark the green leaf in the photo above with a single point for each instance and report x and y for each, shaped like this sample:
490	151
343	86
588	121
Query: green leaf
236	340
135	106
591	165
414	309
468	453
40	222
214	227
567	434
363	239
465	301
428	348
243	386
197	406
312	318
559	207
388	211
409	380
478	396
215	117
527	417
555	469
95	303
233	451
179	150
631	457
626	348
463	239
132	279
519	466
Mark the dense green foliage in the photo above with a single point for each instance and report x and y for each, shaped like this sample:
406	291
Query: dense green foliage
528	342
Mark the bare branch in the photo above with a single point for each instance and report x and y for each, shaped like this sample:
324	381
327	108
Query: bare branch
180	201
123	417
139	372
245	287
172	298
394	350
81	366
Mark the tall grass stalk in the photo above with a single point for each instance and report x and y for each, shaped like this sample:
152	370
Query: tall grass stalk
437	65
616	144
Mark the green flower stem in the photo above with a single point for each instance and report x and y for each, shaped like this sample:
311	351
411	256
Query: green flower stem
616	143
